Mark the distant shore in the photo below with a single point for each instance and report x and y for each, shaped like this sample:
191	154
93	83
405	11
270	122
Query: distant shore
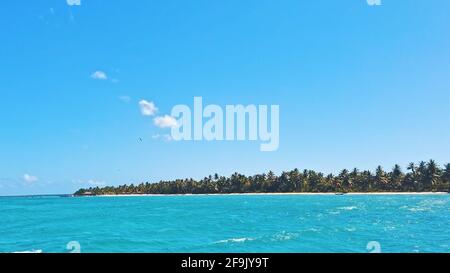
275	193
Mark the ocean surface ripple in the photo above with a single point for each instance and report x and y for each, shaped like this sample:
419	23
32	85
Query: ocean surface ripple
238	224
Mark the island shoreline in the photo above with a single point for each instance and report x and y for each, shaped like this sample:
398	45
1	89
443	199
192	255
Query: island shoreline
272	194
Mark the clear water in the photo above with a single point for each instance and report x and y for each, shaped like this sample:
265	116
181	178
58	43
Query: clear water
412	223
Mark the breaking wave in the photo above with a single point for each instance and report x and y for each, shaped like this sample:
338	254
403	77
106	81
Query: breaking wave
235	240
29	251
348	208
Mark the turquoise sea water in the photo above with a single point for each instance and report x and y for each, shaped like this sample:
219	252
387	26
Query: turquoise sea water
406	223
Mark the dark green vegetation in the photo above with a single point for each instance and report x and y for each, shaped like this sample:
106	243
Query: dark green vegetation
419	178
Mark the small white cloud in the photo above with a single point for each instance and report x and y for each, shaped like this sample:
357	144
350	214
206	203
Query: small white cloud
99	75
73	2
125	98
30	178
374	2
166	122
148	108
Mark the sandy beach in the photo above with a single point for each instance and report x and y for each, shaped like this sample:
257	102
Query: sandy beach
279	193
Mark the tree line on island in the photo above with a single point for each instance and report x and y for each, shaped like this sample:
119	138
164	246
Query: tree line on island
422	177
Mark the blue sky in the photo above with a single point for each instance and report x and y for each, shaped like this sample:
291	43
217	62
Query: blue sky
357	85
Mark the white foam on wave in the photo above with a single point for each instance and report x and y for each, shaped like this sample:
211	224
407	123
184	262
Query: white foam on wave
415	208
29	251
284	236
312	230
426	205
348	208
235	240
432	202
418	209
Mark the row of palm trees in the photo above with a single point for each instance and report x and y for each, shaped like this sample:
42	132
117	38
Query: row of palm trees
422	177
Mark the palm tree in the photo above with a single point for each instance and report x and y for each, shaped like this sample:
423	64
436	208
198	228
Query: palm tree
271	181
433	174
295	180
381	180
344	179
422	177
396	178
412	168
446	177
421	172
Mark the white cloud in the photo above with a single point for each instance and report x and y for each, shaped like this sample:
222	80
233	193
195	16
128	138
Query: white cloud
148	108
73	2
99	75
30	178
374	2
166	122
125	98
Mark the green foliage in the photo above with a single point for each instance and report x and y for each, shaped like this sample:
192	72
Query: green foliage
423	177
